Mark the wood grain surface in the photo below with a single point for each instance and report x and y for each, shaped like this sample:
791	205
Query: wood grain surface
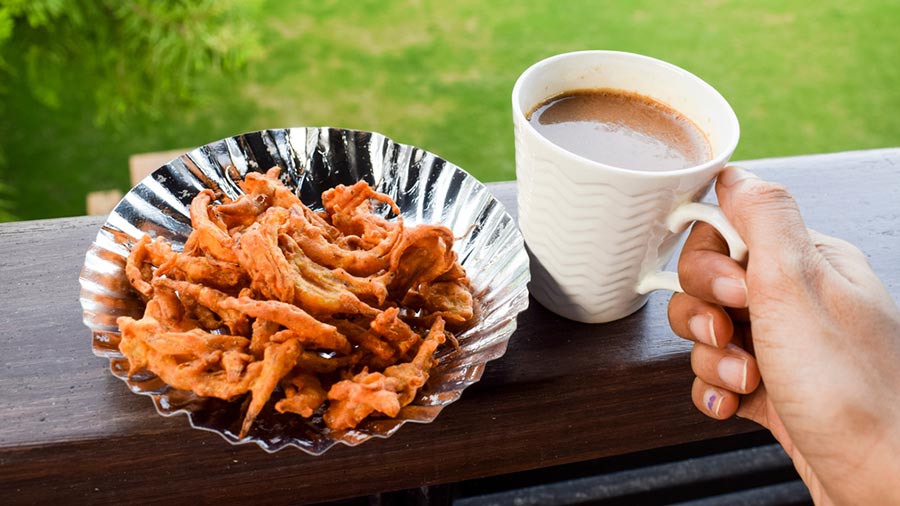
564	392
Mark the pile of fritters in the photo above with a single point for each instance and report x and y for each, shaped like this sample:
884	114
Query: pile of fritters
342	306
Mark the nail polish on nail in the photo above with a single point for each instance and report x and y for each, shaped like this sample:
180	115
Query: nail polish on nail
733	372
713	400
734	174
701	326
730	291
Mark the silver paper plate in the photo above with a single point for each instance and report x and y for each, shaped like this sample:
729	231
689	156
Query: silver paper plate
427	188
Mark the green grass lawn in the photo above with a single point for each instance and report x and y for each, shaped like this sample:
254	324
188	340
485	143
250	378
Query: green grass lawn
803	77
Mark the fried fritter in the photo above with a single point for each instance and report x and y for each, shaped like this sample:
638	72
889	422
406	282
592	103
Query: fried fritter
451	300
326	311
354	399
303	394
317	240
209	237
139	267
279	359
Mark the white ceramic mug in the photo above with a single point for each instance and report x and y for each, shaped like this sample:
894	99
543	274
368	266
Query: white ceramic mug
598	235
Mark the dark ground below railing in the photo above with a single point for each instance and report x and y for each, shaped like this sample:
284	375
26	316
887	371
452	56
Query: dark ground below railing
743	470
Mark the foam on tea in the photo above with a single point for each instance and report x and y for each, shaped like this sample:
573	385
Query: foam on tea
621	129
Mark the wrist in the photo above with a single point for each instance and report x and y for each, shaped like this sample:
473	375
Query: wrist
870	469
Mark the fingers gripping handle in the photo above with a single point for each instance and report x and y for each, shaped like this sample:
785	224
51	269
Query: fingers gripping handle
678	221
712	214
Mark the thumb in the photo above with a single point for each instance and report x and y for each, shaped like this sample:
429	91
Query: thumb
765	215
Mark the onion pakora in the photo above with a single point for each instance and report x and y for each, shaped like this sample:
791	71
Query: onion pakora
336	313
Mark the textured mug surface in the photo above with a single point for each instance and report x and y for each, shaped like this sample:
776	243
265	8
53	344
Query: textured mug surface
594	231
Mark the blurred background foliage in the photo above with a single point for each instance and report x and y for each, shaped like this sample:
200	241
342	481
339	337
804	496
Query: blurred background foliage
86	83
135	56
77	75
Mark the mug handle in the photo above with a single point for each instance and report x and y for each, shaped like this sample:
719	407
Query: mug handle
677	222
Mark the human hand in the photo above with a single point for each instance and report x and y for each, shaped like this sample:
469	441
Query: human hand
804	340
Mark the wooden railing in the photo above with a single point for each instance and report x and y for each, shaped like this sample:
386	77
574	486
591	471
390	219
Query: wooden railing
564	392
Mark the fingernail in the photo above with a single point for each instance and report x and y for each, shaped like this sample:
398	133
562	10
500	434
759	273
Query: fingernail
712	399
730	291
733	372
734	174
701	326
